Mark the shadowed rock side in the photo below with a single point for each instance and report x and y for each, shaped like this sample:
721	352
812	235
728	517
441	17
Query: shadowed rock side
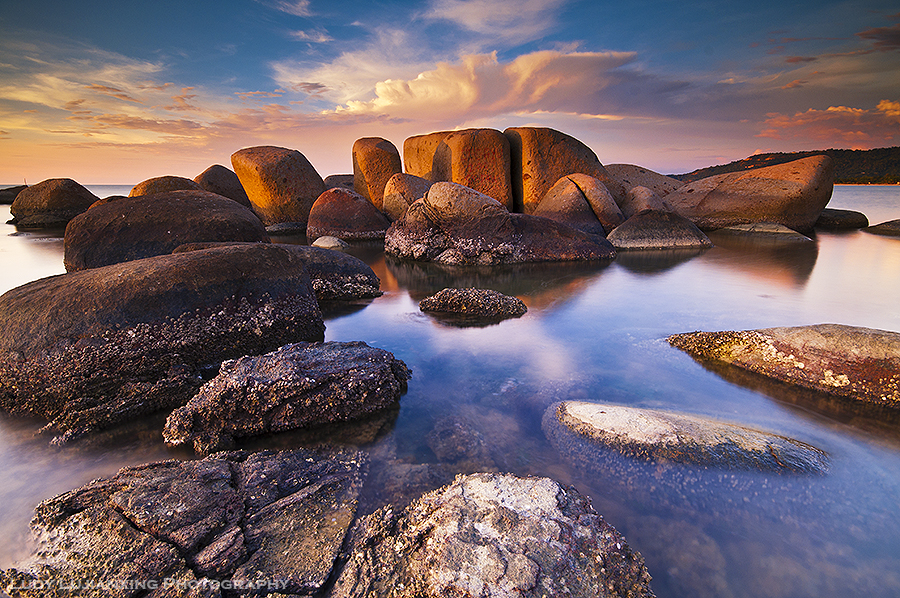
891	228
792	194
9	194
266	523
137	227
475	304
299	385
453	224
221	180
859	364
50	204
164	184
660	436
491	535
89	349
835	219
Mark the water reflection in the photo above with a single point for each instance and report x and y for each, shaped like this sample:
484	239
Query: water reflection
783	262
654	261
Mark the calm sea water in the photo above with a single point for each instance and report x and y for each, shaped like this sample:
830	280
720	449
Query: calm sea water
597	333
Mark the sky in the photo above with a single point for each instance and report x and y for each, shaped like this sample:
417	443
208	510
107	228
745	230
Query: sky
115	92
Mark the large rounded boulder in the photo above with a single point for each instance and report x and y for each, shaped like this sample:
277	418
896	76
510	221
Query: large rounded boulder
138	227
346	215
375	161
221	180
89	349
163	184
457	225
50	204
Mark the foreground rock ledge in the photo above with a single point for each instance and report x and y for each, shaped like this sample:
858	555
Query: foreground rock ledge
266	523
859	364
660	436
299	385
492	535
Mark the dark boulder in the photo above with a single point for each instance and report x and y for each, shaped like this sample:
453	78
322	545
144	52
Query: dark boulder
8	194
652	229
346	215
835	219
138	227
92	348
891	228
163	184
453	224
266	523
50	204
491	535
299	385
476	304
221	180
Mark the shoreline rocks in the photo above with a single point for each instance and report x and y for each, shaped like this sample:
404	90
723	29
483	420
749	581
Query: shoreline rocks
50	204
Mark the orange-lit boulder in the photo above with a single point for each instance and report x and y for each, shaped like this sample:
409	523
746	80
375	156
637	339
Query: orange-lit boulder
346	215
375	161
418	156
221	180
162	184
401	191
281	183
793	194
581	201
49	204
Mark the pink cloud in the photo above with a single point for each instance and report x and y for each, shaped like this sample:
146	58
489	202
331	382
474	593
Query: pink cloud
839	125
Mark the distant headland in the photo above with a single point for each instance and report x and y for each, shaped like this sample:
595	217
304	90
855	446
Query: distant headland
875	166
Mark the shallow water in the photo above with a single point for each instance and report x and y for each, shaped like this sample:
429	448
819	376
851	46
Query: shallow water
597	332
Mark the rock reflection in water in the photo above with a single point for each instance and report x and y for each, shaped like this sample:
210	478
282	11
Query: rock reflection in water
786	263
655	261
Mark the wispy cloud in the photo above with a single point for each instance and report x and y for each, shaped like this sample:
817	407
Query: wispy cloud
856	127
315	36
298	8
885	39
501	21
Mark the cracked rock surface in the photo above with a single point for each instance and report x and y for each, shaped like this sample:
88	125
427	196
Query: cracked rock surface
491	535
232	524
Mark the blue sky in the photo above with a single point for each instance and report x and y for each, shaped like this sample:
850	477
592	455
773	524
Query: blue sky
116	92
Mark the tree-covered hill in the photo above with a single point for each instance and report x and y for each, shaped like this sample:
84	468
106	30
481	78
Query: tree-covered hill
850	166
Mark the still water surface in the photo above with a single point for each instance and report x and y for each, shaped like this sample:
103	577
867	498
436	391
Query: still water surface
597	333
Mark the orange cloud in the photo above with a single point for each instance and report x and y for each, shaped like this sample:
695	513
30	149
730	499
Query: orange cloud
113	92
860	128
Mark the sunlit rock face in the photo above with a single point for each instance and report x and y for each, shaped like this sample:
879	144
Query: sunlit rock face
491	535
539	157
476	158
793	194
583	202
457	225
375	161
346	215
281	183
861	365
653	229
401	191
221	180
163	184
90	349
50	204
147	225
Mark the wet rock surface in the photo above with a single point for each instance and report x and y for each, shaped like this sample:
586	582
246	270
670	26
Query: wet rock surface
147	225
859	364
475	304
299	385
89	349
50	204
660	436
238	523
457	225
491	535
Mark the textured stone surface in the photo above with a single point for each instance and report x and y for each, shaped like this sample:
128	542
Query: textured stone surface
419	157
163	184
477	303
50	204
861	365
221	180
375	161
492	535
93	348
346	215
793	194
253	522
583	202
632	176
297	386
344	181
661	436
401	191
147	225
457	225
638	199
539	157
281	183
651	229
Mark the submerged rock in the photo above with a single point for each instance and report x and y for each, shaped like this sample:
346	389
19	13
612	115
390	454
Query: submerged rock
50	204
491	535
771	231
480	304
299	385
457	225
660	436
861	365
92	348
147	225
266	523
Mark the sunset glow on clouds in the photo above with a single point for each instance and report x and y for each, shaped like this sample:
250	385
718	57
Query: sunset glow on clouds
103	95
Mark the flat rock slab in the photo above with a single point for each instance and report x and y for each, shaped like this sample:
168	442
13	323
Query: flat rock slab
891	228
768	230
90	349
661	436
835	219
478	304
260	523
491	535
652	229
299	385
861	365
